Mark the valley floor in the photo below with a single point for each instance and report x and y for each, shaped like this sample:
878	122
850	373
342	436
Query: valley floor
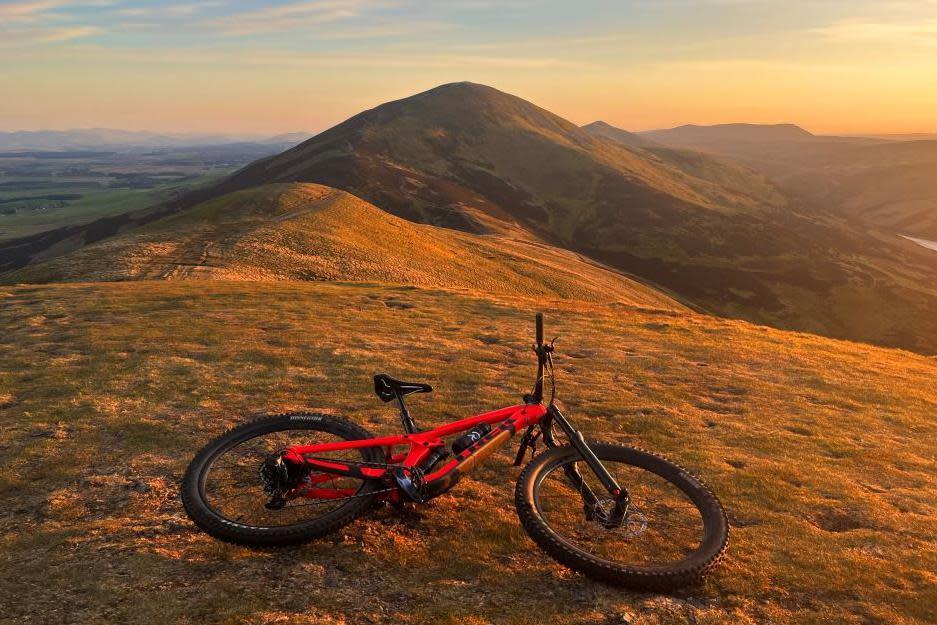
821	450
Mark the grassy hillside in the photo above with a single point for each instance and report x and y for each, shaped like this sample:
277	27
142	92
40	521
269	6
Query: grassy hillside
312	232
722	171
474	158
893	185
628	139
700	136
821	450
889	183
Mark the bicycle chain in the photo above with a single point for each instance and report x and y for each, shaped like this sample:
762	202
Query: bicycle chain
364	463
321	501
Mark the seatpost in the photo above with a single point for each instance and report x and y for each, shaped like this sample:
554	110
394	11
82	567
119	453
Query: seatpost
408	423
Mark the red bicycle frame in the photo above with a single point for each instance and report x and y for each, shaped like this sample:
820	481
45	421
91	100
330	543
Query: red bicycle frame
418	447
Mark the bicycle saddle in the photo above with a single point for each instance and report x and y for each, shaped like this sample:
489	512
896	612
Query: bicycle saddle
387	388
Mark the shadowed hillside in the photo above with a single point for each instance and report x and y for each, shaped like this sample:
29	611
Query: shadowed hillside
472	158
311	232
725	172
625	138
821	450
703	136
889	183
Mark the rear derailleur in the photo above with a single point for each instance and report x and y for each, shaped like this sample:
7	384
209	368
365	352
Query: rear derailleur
279	477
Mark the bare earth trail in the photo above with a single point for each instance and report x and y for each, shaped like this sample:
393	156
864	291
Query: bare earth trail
205	253
821	450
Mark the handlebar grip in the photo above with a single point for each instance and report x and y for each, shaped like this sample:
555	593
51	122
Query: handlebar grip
539	328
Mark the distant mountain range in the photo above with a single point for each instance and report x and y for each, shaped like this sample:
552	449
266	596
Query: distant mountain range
624	137
888	181
672	208
109	138
700	136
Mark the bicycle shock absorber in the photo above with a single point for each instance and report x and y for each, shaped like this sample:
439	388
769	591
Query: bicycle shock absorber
438	455
468	460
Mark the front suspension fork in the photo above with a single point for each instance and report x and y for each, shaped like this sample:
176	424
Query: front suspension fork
589	499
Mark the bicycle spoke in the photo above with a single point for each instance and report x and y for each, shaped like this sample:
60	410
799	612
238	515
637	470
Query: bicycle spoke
669	526
238	469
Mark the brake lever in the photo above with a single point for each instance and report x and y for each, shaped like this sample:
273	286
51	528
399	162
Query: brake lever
546	347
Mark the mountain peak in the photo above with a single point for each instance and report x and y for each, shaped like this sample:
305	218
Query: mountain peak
470	93
598	124
464	86
731	132
628	139
436	121
469	96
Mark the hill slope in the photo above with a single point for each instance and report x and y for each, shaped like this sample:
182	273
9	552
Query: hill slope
821	450
625	138
892	184
312	232
724	172
471	157
701	136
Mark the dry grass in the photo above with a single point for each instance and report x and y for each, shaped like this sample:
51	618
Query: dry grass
313	232
821	450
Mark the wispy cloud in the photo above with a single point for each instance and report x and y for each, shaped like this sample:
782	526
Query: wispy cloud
389	29
172	10
30	24
20	12
295	16
12	13
279	59
37	36
900	32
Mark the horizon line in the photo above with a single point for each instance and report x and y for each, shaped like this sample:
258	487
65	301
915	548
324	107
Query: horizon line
268	135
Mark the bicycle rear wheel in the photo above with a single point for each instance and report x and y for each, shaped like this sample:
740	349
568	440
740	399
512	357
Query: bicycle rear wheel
223	490
674	533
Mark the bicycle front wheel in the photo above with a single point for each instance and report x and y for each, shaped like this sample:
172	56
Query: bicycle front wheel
674	532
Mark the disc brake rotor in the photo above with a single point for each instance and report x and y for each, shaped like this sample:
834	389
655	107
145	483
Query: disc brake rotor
633	524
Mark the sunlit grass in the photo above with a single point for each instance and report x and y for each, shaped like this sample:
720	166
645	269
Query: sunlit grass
822	452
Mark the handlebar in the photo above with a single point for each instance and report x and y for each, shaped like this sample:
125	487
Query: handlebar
539	329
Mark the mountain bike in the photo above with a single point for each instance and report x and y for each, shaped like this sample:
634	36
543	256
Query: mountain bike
617	514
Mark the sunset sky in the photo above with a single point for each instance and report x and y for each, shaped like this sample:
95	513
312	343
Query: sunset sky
270	67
